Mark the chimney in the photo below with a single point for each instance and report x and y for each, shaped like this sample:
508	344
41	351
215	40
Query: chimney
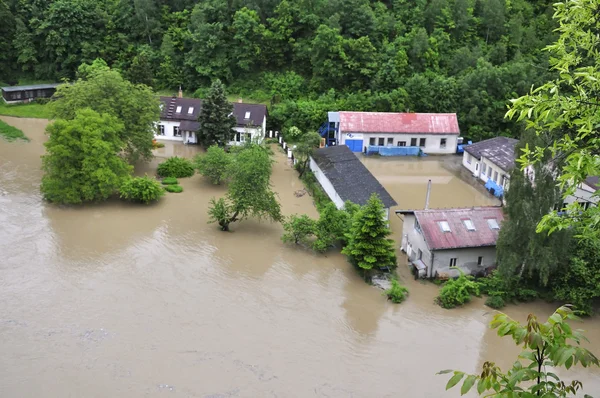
240	100
427	196
180	94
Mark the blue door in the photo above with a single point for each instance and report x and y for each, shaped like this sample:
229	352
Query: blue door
355	145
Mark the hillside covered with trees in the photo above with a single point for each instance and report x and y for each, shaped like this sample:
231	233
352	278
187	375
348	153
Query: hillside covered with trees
304	57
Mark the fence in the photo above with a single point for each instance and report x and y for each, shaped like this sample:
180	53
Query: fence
289	150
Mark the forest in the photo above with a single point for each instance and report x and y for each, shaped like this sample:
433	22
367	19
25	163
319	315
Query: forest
302	57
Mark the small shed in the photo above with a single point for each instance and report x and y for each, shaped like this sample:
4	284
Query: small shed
343	177
16	94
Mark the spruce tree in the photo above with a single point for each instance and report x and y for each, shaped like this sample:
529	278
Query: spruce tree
216	119
368	244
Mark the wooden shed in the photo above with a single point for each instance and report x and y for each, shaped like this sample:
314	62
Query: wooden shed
16	94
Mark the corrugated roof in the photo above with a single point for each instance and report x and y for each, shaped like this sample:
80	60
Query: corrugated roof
170	104
459	235
9	89
499	150
408	123
350	178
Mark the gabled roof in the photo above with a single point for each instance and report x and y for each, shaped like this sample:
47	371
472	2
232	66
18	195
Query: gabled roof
498	150
240	109
459	235
9	89
408	123
592	182
350	178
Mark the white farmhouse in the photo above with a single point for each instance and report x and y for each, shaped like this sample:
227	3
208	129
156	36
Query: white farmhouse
433	133
179	120
343	177
437	239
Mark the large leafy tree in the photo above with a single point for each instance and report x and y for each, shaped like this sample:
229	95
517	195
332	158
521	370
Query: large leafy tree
105	91
304	148
82	162
216	119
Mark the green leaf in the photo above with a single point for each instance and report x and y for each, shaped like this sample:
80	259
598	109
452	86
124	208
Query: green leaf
468	384
454	380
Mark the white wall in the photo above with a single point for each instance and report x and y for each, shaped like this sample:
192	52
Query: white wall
432	141
326	184
257	133
490	170
412	241
169	124
471	163
583	194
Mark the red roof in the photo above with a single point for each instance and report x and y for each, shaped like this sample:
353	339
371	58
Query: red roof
413	123
459	235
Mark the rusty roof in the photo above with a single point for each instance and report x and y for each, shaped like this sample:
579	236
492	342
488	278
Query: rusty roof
459	235
407	123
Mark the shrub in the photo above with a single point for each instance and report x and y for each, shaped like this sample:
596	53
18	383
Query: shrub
272	141
458	291
292	134
141	189
214	164
397	293
174	188
176	167
41	101
298	229
170	181
156	144
495	302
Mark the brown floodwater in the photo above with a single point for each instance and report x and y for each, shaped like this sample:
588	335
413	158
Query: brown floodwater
123	300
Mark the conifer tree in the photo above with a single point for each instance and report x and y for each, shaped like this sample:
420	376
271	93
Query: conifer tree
216	119
368	244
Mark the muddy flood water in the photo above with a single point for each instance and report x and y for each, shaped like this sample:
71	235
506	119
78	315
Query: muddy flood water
119	300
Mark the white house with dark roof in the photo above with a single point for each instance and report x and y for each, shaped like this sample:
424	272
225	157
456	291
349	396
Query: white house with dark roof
437	239
179	120
433	133
344	177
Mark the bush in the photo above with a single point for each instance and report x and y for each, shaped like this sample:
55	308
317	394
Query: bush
41	101
214	164
272	141
298	229
174	188
170	181
495	302
156	144
141	189
176	167
397	293
458	291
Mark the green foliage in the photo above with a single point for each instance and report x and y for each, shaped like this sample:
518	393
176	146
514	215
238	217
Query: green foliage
548	345
216	119
495	302
319	196
397	293
510	289
11	133
332	226
176	167
304	148
174	188
292	134
214	164
368	243
141	189
456	292
82	162
169	181
298	229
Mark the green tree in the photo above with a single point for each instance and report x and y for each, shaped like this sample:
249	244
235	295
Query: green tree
305	148
214	164
8	29
81	163
368	243
298	229
331	226
547	345
396	293
247	38
216	119
141	189
105	91
249	192
456	292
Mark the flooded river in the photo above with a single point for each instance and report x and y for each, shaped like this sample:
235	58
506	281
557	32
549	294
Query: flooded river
119	300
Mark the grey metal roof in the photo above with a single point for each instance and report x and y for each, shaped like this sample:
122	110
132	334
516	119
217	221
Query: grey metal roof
9	89
498	150
350	178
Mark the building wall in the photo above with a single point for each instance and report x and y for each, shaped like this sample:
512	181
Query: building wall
471	163
583	194
488	170
169	124
432	141
256	133
412	241
326	184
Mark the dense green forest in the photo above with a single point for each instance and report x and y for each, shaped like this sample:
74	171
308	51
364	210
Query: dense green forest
303	57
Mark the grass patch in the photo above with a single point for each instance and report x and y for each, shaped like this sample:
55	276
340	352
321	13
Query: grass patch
169	181
174	188
25	110
11	133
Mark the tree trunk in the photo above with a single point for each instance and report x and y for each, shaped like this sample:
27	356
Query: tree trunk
303	168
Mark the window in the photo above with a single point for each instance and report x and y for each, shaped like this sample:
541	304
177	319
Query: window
390	141
247	115
584	205
493	223
190	110
453	262
178	110
176	132
237	137
417	226
483	167
479	260
469	224
468	158
444	226
16	95
401	143
381	141
422	142
504	181
490	171
161	129
420	254
413	142
372	141
496	177
442	143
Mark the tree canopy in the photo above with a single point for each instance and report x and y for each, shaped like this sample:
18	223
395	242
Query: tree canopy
216	119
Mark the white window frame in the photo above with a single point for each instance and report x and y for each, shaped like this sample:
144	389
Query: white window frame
443	142
178	109
483	168
468	158
161	129
191	110
176	131
493	223
444	226
247	115
469	225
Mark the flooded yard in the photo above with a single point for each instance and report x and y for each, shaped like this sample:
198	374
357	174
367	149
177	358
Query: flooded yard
123	300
